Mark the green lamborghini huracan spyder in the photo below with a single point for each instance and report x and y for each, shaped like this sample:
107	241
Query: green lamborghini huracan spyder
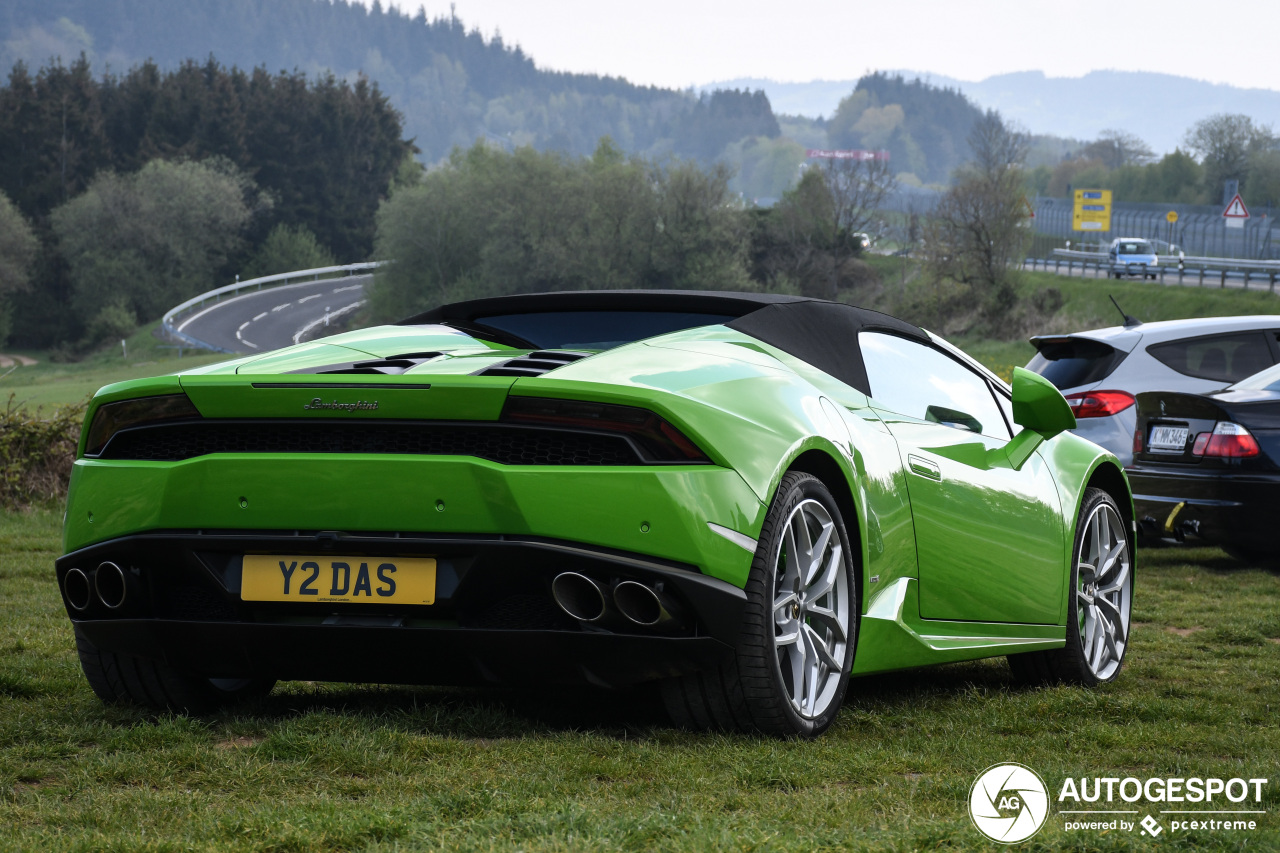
745	499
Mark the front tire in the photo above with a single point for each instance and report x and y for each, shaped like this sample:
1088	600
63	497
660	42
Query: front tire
1098	614
795	651
122	679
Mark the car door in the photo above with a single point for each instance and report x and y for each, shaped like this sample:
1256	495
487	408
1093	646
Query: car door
989	539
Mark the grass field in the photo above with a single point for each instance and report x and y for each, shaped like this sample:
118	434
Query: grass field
50	383
334	767
1086	304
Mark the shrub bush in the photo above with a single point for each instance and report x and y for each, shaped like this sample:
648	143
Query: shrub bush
36	454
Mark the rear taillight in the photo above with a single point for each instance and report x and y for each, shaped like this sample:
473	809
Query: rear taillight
662	441
1137	440
1099	404
111	418
1228	440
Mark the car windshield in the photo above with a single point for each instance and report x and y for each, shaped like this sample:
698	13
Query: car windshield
595	330
1266	380
1134	247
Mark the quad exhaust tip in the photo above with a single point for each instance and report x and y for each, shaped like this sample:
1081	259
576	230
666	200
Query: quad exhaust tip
78	589
607	605
580	597
645	606
111	585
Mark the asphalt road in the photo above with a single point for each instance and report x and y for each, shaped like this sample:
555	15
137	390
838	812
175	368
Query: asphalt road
274	317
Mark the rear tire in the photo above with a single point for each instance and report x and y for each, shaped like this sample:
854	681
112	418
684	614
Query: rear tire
123	679
800	619
1098	614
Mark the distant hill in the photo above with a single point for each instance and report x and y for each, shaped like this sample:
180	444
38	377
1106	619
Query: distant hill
924	127
1157	107
453	85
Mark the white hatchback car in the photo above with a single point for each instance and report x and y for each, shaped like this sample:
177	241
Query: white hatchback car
1100	371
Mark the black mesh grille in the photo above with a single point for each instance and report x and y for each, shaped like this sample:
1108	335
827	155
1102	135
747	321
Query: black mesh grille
522	612
392	366
533	364
500	443
191	602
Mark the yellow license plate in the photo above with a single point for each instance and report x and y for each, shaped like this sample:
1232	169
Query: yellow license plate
358	580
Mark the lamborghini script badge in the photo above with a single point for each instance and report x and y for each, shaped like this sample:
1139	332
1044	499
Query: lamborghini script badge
357	406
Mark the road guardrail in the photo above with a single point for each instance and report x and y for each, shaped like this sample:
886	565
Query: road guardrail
173	327
1184	266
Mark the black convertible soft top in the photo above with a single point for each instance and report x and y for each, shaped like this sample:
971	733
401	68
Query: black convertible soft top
819	332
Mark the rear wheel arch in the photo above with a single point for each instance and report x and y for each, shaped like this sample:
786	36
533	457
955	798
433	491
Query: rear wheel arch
795	650
821	465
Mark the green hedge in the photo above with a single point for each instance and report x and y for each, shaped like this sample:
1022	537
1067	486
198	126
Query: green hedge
36	453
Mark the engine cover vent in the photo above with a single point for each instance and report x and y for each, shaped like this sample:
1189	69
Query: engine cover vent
533	364
391	365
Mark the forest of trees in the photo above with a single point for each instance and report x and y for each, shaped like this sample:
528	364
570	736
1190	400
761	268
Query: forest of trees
302	161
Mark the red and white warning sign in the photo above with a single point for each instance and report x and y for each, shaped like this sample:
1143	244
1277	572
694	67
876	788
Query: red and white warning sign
1236	213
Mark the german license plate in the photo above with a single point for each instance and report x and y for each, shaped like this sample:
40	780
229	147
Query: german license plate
1166	439
357	580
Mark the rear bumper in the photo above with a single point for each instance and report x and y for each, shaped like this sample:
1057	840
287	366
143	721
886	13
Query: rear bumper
493	620
660	511
1219	509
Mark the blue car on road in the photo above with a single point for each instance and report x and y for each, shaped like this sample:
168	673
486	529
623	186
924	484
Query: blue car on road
1132	256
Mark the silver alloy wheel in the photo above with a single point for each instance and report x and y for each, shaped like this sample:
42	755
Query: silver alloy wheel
811	608
1104	591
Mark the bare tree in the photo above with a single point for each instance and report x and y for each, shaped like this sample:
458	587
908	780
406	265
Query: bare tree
816	227
978	233
997	146
859	189
1116	148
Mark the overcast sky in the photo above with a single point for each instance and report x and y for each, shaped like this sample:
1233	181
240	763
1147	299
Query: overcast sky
686	42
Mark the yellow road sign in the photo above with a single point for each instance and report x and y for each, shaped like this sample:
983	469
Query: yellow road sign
1091	211
1171	217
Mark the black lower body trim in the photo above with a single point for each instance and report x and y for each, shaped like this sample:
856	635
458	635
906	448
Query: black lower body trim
400	655
494	618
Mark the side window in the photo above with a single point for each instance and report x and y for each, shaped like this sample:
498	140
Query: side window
1222	358
920	382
